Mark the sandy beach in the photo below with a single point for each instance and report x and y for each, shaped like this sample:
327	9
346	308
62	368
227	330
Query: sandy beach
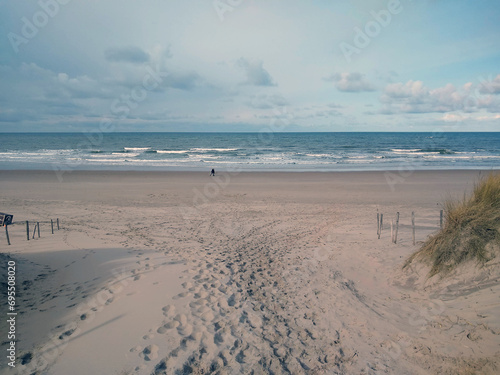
251	273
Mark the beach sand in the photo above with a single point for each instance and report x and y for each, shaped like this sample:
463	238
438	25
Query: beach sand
179	272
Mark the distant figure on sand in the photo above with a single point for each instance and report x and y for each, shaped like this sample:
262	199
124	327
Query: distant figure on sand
212	173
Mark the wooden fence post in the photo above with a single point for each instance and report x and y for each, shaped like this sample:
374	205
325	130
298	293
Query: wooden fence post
397	228
441	219
378	225
392	230
381	222
413	226
34	231
27	230
52	225
57	223
7	234
38	226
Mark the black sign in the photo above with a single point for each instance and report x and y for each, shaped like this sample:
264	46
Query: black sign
5	219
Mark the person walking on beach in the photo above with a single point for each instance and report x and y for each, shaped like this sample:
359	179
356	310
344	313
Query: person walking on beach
212	173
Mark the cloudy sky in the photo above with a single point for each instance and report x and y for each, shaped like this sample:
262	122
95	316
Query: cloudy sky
240	65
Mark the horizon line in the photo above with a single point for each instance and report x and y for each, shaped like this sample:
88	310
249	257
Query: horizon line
239	132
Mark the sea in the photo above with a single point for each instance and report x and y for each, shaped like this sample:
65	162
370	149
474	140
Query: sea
249	151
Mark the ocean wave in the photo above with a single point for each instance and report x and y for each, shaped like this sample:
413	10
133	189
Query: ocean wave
126	154
441	151
422	151
322	155
213	149
405	150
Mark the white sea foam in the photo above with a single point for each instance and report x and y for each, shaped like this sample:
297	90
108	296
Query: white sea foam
136	148
213	149
405	150
126	155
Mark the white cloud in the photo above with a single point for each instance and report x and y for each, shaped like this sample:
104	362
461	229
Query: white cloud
350	82
454	117
491	86
415	97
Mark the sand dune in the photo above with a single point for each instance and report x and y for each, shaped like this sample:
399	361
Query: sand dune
168	273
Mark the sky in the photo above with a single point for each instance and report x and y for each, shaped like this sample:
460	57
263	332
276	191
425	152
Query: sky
245	65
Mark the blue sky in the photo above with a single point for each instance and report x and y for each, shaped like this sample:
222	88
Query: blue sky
240	65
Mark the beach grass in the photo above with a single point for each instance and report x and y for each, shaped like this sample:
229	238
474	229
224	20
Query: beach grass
471	230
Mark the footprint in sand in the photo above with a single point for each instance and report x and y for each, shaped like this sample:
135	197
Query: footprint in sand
234	299
216	284
185	330
196	304
183	295
196	336
150	352
201	294
212	299
161	330
168	326
67	333
181	318
253	320
172	324
223	304
168	311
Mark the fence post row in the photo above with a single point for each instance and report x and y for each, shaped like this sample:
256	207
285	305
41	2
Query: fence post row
395	226
36	229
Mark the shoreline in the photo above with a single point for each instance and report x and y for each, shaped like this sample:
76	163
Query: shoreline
281	172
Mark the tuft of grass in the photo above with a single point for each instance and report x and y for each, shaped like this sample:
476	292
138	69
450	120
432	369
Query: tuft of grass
471	230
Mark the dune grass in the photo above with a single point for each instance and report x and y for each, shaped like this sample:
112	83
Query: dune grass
471	230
